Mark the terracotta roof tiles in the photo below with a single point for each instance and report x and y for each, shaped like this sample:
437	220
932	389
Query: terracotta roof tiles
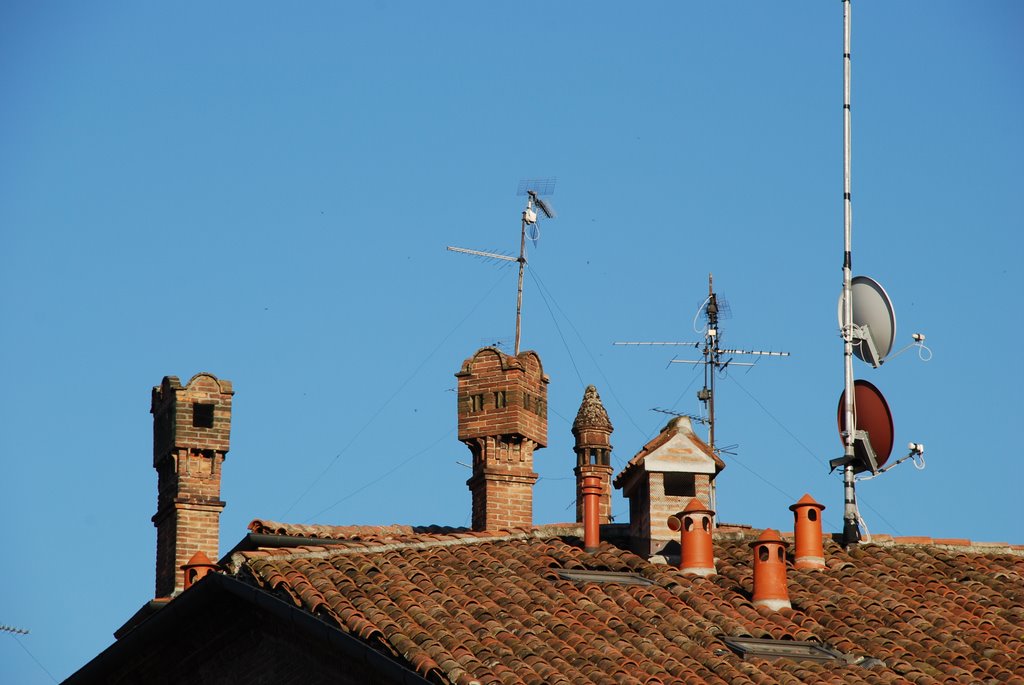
462	607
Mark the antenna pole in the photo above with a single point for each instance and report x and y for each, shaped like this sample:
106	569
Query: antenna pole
522	267
851	530
713	346
712	351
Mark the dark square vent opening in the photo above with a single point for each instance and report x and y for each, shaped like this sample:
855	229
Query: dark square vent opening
202	415
680	485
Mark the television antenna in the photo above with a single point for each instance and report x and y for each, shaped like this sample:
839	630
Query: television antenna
692	417
13	630
867	323
534	190
716	359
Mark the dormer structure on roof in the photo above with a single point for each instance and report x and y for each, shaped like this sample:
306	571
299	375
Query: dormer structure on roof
503	418
661	480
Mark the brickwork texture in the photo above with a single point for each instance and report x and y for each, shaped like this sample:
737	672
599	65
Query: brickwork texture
191	437
502	415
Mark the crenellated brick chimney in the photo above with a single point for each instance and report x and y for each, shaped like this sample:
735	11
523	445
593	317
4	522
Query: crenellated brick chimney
592	430
191	437
503	410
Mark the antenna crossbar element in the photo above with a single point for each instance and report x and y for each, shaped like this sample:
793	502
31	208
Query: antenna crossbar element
683	344
478	253
719	364
544	206
12	629
762	353
693	417
536	186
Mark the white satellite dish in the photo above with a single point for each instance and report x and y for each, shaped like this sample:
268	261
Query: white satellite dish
874	320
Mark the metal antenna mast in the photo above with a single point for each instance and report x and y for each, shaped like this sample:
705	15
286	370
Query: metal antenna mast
851	530
714	308
867	322
533	189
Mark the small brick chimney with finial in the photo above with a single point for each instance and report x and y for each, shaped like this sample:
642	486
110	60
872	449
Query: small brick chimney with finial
592	430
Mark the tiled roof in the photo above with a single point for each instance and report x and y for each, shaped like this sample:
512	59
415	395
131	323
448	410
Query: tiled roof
464	607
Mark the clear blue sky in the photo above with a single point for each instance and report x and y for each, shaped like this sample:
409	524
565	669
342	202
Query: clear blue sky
264	191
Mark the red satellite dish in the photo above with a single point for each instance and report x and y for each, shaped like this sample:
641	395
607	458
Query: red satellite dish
872	415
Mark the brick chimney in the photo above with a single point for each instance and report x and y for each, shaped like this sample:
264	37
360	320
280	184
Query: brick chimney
809	552
503	410
662	479
592	430
191	436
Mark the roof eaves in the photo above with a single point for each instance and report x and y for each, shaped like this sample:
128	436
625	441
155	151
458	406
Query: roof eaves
189	605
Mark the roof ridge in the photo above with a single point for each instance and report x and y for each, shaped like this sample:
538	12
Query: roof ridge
963	544
314	551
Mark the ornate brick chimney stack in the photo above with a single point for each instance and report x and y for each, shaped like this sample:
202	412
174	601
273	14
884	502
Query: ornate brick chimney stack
191	436
592	430
503	418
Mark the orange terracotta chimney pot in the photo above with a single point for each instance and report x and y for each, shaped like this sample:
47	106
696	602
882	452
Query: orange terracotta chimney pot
196	568
591	513
694	525
770	571
809	552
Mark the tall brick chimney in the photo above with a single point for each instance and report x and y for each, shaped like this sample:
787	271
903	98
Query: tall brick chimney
592	430
503	418
191	436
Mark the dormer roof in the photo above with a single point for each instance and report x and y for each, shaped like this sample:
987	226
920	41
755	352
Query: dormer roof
675	449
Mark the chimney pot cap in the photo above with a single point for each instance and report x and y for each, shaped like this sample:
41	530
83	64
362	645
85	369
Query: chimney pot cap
806	501
198	559
696	505
770	536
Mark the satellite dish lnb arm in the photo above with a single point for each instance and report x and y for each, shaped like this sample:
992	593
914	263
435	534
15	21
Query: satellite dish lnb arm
862	334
